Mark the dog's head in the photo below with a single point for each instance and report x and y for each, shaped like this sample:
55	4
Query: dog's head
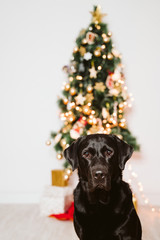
100	159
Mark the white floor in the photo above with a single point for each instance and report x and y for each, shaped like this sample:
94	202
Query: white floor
23	222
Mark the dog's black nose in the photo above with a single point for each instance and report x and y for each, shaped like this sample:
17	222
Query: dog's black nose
99	175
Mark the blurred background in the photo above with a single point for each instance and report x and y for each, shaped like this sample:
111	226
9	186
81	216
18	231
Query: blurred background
36	41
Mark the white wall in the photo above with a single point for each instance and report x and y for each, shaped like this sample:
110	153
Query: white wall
36	40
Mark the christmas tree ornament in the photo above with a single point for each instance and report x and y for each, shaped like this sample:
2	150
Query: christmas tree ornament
70	79
65	101
93	129
119	136
99	68
115	52
98	27
104	56
110	56
97	52
67	87
82	50
109	82
76	49
63	143
89	88
81	67
66	128
48	142
58	137
78	127
86	109
103	47
90	37
82	32
71	118
114	92
93	72
109	34
79	78
59	156
89	97
97	15
99	86
72	105
84	41
72	91
80	99
66	69
105	113
87	56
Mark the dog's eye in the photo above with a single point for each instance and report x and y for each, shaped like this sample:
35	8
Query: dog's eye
108	152
87	155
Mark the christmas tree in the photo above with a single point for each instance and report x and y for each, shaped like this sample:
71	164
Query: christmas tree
95	96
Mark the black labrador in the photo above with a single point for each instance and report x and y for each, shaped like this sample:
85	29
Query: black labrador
103	201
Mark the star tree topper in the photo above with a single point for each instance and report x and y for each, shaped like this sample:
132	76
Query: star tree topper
97	15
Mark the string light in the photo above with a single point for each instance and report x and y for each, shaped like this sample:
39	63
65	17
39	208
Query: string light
134	178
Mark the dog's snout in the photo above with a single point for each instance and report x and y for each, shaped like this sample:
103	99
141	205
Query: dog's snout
99	175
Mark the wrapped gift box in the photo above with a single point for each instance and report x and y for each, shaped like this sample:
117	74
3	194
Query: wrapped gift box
56	200
59	178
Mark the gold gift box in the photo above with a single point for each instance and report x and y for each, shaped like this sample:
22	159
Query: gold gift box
60	177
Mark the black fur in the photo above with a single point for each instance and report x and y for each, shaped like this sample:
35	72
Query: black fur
103	201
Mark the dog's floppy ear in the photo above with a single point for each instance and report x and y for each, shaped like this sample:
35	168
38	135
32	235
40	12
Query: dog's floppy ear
124	151
71	154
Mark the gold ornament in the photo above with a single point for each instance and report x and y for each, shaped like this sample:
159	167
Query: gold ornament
103	46
134	199
67	128
71	119
97	15
82	51
48	142
97	52
93	72
104	56
109	34
72	104
59	156
89	88
67	87
99	68
84	41
99	86
86	110
75	50
70	79
63	143
72	91
89	97
65	101
78	77
110	56
119	136
93	129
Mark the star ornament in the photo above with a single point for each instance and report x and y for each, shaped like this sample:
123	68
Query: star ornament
100	86
93	72
97	15
80	99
